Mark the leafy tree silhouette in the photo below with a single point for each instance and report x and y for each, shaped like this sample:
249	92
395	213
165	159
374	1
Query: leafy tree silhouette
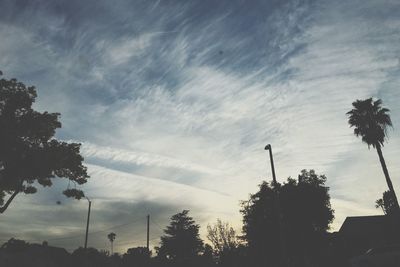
139	256
20	253
307	213
222	236
90	257
225	242
371	121
181	244
207	258
29	152
260	227
386	203
111	237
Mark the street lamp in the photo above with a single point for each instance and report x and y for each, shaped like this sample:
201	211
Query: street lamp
87	222
277	208
268	147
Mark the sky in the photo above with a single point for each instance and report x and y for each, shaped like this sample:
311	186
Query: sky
174	101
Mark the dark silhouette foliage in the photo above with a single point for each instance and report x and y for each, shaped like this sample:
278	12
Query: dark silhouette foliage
91	257
222	236
371	122
20	253
305	214
29	152
207	259
386	203
225	243
111	237
181	244
139	256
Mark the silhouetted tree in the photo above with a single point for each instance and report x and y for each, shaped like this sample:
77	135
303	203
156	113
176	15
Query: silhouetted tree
90	257
111	237
260	227
371	121
15	244
224	240
29	153
181	244
379	204
139	256
222	236
20	253
306	215
207	258
386	203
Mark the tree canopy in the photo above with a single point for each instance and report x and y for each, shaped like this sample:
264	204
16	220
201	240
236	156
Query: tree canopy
296	225
371	121
386	203
138	256
29	153
227	248
111	236
222	236
181	244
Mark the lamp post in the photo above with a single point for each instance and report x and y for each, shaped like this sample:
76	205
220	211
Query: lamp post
277	210
87	222
269	148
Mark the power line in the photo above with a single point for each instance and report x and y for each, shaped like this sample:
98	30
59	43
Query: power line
104	230
156	224
114	227
91	233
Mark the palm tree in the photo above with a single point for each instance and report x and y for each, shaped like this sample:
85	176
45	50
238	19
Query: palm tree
111	237
380	204
371	121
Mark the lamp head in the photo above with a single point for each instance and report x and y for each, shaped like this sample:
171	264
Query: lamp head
268	147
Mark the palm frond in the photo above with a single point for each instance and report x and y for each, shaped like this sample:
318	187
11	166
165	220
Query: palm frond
370	121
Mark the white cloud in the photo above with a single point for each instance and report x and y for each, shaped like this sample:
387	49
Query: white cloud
213	122
139	158
125	49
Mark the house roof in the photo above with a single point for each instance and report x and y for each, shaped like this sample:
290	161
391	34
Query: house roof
365	225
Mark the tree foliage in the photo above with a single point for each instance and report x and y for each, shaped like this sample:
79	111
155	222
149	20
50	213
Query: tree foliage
111	237
289	219
138	256
371	121
222	236
29	153
227	249
386	203
181	244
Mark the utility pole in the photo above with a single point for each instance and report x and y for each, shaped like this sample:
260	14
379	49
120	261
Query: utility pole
87	222
148	232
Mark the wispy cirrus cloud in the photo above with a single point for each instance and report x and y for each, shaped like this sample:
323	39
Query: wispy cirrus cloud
175	102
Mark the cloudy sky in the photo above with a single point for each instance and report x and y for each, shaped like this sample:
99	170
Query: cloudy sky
174	101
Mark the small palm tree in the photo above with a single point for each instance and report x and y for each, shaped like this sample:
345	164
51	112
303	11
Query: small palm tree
111	237
380	204
371	121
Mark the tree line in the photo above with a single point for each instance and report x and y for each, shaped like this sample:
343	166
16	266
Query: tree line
305	212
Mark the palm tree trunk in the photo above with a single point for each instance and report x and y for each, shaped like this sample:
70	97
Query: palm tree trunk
385	171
